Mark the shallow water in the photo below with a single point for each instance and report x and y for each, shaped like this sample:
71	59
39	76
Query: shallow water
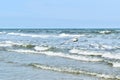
53	54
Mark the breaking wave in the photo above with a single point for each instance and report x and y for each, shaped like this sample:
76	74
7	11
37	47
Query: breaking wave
2	32
111	56
105	32
40	48
45	36
74	71
83	52
15	44
60	54
28	35
70	35
115	64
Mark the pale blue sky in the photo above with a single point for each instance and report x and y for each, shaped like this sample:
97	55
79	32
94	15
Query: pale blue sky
59	13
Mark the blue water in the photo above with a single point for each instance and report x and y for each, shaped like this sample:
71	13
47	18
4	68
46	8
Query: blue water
59	54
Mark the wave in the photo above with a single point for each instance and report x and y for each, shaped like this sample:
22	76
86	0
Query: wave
28	35
60	54
70	35
40	48
15	44
7	44
115	64
85	52
111	56
73	71
105	32
103	46
45	36
2	32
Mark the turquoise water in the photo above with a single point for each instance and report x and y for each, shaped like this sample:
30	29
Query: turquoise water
59	54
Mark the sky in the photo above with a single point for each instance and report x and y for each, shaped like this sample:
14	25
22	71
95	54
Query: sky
59	13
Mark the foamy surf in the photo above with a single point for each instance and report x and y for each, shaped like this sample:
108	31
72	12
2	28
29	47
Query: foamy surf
62	35
74	71
111	55
83	52
8	44
105	32
15	44
116	64
70	35
2	32
60	54
41	48
28	35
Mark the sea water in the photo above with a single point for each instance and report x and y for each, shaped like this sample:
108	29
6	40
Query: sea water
51	54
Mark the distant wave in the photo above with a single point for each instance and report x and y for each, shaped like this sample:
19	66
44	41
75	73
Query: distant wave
74	71
105	32
70	35
60	54
2	32
45	36
28	35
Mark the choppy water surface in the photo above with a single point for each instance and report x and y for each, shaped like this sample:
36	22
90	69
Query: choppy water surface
60	54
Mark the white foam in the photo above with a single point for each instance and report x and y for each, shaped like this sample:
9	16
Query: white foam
8	43
84	52
2	32
29	35
111	56
69	35
44	36
116	64
40	48
5	45
70	70
105	32
107	47
23	51
59	54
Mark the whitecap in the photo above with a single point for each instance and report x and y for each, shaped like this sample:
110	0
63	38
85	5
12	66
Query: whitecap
105	32
2	32
60	54
116	64
70	35
111	56
74	71
83	52
40	48
29	35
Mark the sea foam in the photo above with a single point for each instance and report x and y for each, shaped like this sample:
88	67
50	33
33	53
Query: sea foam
45	36
74	71
60	54
83	52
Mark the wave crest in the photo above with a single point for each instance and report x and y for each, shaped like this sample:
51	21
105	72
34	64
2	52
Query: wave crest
85	52
73	71
60	54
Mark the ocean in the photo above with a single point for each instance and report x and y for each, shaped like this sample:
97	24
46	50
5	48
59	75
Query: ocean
59	54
